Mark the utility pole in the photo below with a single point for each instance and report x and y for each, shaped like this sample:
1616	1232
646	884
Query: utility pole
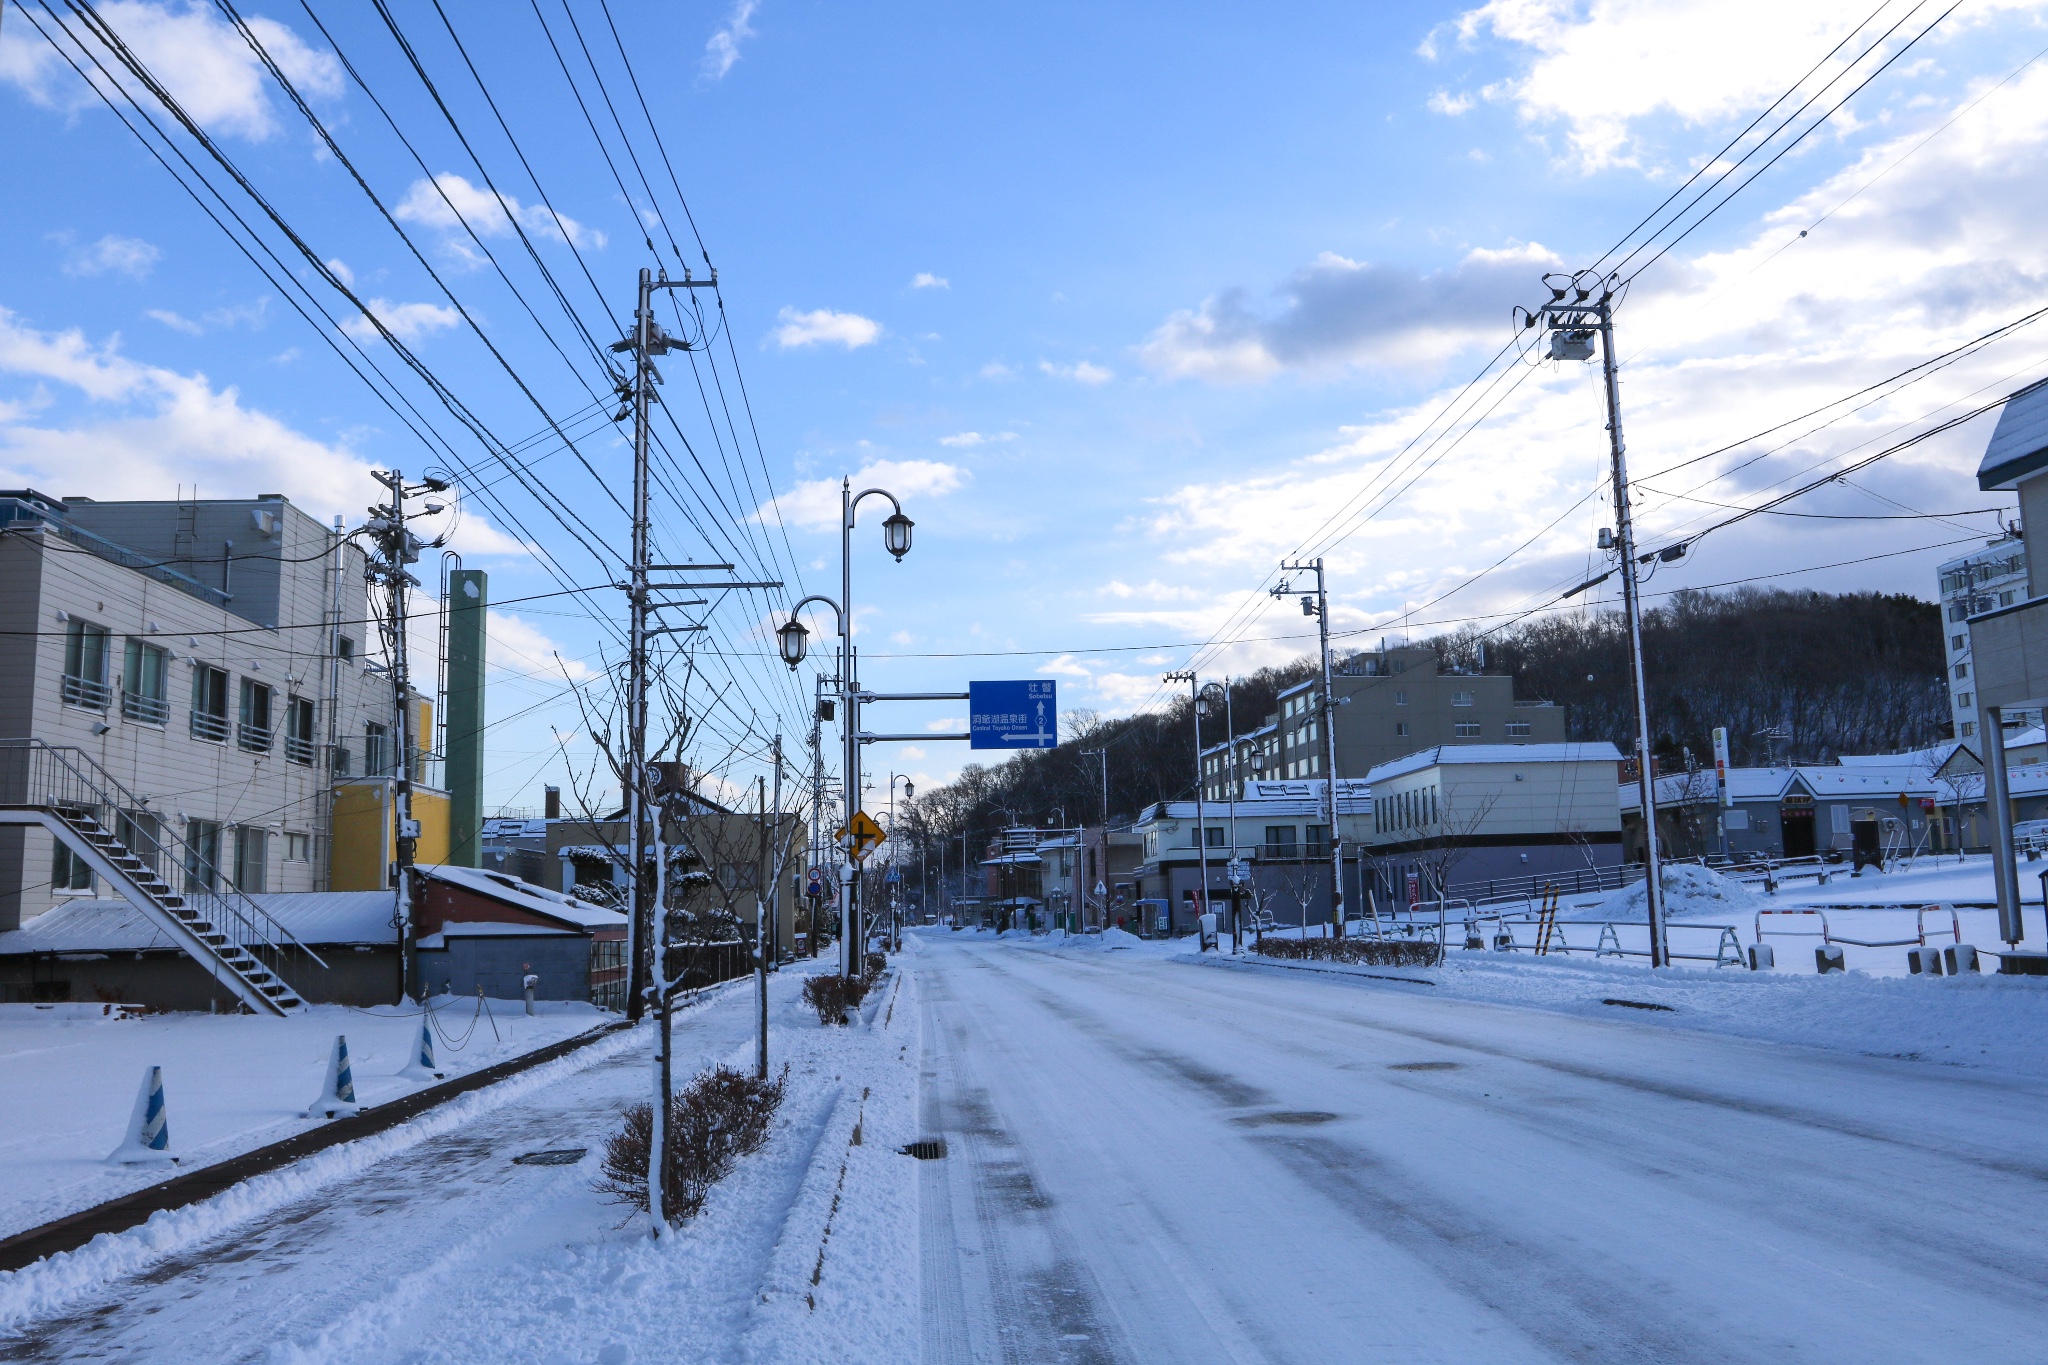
762	890
1199	703
1236	888
1318	606
1102	869
396	548
1572	324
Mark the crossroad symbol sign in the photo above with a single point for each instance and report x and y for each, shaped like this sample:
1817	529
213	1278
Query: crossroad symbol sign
865	837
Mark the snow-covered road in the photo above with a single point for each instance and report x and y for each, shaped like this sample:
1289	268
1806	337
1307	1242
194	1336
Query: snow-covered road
1161	1160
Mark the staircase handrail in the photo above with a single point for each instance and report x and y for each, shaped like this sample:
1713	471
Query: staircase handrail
106	790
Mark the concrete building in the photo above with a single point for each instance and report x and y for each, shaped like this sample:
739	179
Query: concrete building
1456	817
1280	829
1983	580
206	667
2009	642
1390	703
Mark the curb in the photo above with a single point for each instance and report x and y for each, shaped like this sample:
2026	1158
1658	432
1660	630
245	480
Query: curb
130	1210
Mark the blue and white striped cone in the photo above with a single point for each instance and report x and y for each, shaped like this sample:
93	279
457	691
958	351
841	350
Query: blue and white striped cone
421	1067
338	1095
149	1129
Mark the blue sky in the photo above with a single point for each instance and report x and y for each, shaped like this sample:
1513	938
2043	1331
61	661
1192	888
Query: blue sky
1124	302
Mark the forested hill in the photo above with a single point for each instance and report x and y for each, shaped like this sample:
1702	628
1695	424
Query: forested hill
1829	673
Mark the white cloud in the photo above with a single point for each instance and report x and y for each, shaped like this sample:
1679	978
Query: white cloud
148	430
174	321
924	279
1081	372
1444	102
967	440
1600	69
911	753
518	646
130	256
448	201
1341	312
996	369
1065	666
951	725
1941	249
406	321
821	326
814	504
722	49
205	64
342	272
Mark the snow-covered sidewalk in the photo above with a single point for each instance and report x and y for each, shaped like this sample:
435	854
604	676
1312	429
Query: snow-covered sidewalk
69	1073
432	1243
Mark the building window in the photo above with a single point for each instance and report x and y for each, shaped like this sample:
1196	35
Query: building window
1969	728
376	749
1957	641
1466	729
1280	841
210	703
1962	671
1318	841
202	855
68	872
85	666
1400	729
1963	701
252	855
254	732
1518	729
344	648
341	760
144	696
1461	698
298	730
2005	598
1315	763
1400	698
141	833
1214	836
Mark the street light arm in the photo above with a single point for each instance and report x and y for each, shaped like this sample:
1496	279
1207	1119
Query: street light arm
853	507
837	614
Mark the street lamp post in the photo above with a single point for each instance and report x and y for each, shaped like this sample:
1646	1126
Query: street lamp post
1205	700
792	639
895	887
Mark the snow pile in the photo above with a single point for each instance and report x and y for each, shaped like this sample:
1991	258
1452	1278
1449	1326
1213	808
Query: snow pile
1690	891
1120	938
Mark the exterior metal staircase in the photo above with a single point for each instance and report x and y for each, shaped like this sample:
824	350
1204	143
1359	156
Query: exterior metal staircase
62	789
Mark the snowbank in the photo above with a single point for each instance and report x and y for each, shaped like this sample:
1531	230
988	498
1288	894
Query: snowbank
1690	892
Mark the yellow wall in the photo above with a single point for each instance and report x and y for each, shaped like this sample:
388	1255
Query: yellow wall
365	832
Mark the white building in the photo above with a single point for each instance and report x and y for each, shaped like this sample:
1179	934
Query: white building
1983	580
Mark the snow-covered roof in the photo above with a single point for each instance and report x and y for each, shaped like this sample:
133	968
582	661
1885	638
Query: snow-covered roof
2019	444
510	890
1929	758
487	929
112	926
1446	754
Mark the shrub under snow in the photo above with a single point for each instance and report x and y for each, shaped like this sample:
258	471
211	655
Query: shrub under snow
713	1121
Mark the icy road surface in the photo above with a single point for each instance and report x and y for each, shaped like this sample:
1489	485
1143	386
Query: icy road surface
1154	1160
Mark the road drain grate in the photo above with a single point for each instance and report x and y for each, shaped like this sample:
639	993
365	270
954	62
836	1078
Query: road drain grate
559	1156
925	1149
1639	1005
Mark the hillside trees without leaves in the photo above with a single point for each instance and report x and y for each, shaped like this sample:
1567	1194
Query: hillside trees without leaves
1798	675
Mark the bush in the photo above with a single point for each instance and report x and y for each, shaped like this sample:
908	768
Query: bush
1380	952
714	1121
876	964
833	996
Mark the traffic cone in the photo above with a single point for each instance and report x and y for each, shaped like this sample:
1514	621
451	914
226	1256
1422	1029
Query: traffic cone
421	1066
338	1096
149	1134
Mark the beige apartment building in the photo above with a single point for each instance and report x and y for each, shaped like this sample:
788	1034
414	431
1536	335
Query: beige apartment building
203	669
1390	703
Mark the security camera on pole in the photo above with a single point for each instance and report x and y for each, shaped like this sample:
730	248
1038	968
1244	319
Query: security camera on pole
1572	325
793	639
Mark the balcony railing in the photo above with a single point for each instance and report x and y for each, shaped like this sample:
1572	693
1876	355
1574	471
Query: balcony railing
207	725
87	692
298	750
257	739
148	710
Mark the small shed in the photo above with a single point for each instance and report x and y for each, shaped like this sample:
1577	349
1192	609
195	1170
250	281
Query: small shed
480	929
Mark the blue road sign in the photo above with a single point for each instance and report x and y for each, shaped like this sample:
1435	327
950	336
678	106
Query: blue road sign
1013	715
